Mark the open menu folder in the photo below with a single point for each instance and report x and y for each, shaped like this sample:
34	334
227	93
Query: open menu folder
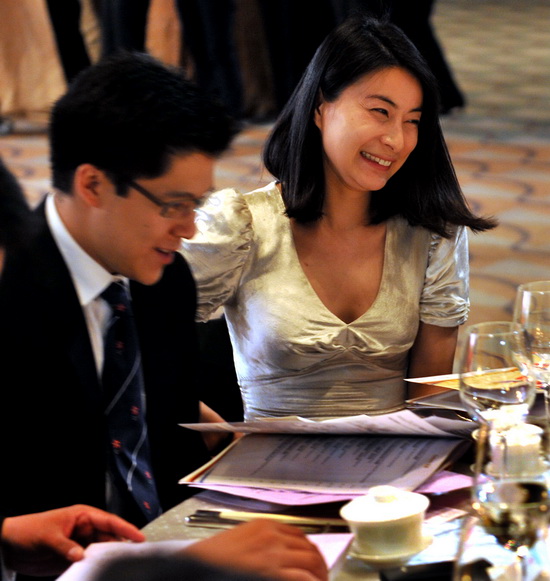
328	463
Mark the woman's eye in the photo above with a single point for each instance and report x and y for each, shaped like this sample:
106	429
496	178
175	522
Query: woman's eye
381	111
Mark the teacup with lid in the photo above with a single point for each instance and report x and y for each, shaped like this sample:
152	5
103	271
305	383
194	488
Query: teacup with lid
386	523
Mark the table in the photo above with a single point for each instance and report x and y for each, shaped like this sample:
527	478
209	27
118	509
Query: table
171	525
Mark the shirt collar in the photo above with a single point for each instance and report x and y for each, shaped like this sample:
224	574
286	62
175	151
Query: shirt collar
89	277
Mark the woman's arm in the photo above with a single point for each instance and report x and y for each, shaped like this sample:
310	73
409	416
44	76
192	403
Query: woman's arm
219	251
432	353
215	441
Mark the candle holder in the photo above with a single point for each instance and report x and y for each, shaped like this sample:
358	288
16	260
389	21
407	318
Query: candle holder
515	452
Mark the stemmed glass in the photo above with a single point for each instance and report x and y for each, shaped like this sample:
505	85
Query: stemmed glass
532	314
510	500
511	506
493	382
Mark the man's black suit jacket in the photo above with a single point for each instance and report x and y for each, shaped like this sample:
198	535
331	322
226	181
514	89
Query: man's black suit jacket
52	442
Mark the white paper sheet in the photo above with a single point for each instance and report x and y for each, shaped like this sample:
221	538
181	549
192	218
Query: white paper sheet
404	422
99	555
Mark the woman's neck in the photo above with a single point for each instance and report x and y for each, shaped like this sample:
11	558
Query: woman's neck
346	211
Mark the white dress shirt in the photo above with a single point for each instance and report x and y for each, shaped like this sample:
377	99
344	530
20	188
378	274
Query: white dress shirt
90	280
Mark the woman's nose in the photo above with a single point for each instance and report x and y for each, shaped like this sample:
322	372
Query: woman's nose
393	137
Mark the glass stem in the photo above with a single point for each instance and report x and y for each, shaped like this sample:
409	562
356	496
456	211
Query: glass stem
523	563
546	424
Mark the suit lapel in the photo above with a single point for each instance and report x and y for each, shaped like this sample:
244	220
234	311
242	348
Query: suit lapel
59	294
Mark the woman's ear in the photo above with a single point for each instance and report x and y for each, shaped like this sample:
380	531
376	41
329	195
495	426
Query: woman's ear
318	114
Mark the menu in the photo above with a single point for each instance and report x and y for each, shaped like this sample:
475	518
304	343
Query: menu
328	463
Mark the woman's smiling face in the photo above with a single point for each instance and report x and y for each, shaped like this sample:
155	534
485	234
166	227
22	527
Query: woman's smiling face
369	131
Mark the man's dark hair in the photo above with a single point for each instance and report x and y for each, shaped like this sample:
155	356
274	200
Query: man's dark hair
14	210
128	115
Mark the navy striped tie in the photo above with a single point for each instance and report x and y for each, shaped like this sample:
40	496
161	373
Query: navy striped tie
125	405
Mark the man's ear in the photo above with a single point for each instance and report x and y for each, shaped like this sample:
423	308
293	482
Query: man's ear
89	183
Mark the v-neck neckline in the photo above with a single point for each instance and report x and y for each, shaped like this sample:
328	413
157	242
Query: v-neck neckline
303	275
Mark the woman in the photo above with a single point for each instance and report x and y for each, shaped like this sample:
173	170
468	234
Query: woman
350	272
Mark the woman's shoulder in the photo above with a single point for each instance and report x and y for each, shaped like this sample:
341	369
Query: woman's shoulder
268	194
229	213
401	225
407	231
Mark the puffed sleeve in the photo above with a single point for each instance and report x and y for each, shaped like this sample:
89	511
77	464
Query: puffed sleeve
445	298
218	252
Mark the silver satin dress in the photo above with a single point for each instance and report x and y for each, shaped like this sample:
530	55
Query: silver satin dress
292	355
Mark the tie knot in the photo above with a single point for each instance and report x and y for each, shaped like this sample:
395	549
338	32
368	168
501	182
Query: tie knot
117	296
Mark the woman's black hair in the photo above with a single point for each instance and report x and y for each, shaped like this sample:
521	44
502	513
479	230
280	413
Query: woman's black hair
425	191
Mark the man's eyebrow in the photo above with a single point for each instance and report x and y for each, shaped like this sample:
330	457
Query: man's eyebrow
391	103
176	195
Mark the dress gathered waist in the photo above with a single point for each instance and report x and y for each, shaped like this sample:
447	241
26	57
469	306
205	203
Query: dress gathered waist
280	398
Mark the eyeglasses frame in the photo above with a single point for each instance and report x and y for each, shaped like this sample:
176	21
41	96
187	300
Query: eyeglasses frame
174	209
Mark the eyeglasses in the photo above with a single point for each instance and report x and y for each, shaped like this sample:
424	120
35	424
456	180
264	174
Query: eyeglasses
183	208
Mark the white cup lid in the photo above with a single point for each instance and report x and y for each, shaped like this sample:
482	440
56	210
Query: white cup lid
384	503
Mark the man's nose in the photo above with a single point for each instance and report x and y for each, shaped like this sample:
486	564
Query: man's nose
185	227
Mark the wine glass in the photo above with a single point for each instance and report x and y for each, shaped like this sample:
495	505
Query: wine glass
480	557
532	314
475	547
493	382
510	504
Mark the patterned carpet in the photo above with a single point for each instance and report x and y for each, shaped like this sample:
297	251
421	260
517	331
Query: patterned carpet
500	55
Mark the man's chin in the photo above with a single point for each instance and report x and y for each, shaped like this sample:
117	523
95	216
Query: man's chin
150	278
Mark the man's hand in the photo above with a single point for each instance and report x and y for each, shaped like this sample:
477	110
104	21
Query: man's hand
274	550
46	543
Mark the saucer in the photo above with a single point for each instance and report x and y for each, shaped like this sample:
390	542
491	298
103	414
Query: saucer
381	561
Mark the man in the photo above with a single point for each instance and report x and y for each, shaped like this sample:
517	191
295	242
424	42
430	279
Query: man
125	127
45	543
133	148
